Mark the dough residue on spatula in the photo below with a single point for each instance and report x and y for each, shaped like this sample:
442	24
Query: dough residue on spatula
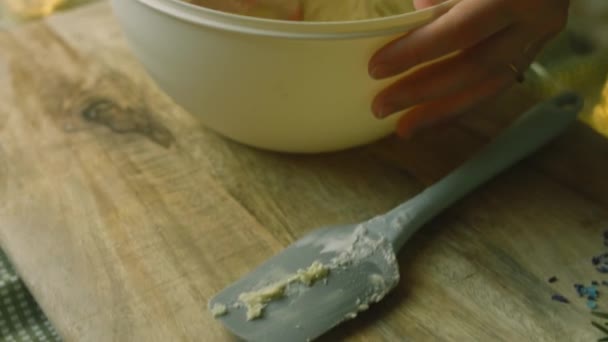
219	310
256	301
350	251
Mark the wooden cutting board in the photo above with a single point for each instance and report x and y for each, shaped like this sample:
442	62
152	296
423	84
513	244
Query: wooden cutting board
124	215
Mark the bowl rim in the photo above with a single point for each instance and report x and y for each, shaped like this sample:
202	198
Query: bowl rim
297	29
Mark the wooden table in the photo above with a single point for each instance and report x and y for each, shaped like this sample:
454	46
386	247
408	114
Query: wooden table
124	215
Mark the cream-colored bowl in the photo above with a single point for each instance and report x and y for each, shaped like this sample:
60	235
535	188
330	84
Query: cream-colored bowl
277	85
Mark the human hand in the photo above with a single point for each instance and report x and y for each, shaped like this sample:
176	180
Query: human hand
493	42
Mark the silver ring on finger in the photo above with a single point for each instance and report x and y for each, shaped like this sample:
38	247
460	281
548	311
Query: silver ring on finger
519	75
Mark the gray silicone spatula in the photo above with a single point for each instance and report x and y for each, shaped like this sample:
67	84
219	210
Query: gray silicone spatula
358	261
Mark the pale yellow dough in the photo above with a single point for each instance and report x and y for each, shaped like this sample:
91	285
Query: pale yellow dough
346	10
256	301
219	310
311	10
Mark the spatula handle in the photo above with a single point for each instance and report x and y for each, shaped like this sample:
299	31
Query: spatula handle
533	129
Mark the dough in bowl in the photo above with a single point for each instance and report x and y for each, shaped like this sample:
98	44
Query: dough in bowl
344	10
310	10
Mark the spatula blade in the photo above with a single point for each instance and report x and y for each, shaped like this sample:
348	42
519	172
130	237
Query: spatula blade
307	312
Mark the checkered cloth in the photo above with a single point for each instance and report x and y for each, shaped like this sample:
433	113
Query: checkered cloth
20	317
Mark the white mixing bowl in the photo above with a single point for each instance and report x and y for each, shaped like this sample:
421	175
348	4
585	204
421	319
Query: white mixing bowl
277	85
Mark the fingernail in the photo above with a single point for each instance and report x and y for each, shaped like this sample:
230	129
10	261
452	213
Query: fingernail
381	111
380	114
380	71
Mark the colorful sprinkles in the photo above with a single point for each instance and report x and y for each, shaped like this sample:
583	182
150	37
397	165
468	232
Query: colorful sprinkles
560	298
587	291
591	292
591	304
595	260
601	261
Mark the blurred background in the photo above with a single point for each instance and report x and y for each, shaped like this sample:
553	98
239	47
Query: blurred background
14	12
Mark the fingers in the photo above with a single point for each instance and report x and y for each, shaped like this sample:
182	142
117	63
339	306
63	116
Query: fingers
485	45
440	111
458	72
463	26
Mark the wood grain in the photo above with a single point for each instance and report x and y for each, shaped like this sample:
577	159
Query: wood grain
124	215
